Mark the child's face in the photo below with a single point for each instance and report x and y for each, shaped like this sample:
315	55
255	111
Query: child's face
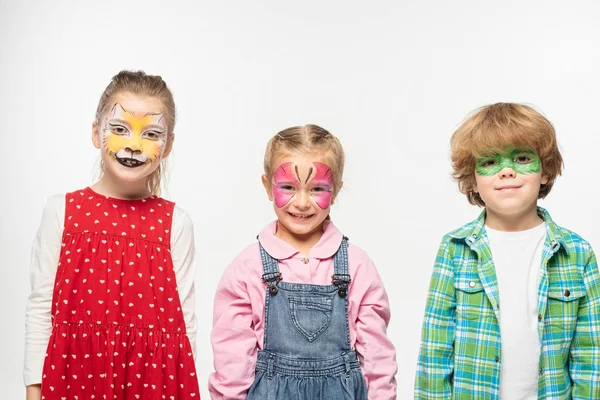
132	136
302	191
509	182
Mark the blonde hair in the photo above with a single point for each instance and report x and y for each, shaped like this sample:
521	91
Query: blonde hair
140	83
493	127
307	139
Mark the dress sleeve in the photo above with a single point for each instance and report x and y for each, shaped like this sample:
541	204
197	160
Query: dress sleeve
435	367
183	253
44	263
377	353
233	338
584	368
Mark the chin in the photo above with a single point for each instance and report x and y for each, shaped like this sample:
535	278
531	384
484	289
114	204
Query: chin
128	174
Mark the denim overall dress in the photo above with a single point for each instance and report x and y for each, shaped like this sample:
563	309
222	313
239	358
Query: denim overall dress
306	353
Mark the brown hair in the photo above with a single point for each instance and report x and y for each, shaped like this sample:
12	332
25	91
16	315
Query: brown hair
140	83
307	139
493	127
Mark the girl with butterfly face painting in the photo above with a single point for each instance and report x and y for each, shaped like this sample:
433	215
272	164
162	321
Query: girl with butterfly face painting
111	312
302	314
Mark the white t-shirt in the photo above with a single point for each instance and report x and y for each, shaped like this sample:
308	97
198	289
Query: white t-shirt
44	263
517	257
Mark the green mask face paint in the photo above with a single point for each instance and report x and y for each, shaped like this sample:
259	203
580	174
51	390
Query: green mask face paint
521	161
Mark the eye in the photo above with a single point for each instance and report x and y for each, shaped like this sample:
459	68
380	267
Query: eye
286	187
118	129
151	135
523	159
319	189
488	163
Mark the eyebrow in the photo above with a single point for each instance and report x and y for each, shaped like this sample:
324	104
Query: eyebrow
152	113
123	108
123	122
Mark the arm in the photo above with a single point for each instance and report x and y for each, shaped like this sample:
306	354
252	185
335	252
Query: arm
43	266
378	356
233	339
584	366
435	367
183	253
33	392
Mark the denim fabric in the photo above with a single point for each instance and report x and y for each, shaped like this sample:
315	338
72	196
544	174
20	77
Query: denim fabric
306	353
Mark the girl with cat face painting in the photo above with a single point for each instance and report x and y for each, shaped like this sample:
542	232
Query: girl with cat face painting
302	314
111	311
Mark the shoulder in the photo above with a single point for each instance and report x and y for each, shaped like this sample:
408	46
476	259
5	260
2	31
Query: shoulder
181	218
574	242
245	268
357	254
55	202
359	263
54	210
247	258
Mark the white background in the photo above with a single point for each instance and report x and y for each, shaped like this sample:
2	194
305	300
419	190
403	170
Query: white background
391	79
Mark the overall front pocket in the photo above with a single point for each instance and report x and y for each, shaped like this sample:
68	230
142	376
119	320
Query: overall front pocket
311	315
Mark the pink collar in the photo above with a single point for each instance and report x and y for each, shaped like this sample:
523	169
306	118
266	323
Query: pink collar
279	249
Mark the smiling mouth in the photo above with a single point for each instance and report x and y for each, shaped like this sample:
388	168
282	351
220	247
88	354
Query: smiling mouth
300	216
129	162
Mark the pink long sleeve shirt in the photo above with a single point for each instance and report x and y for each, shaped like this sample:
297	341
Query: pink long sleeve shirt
239	308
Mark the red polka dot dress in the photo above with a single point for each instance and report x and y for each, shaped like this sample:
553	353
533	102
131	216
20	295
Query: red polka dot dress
118	330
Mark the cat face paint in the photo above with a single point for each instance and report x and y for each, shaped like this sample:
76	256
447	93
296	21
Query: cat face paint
132	139
523	162
288	182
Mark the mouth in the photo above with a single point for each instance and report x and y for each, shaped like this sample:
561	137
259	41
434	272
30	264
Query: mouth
129	162
509	188
300	217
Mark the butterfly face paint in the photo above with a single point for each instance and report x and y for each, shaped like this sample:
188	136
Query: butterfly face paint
322	184
318	181
523	162
132	139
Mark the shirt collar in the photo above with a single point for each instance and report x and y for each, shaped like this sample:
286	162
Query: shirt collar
476	229
279	249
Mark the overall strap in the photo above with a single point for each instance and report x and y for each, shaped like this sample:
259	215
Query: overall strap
271	275
340	277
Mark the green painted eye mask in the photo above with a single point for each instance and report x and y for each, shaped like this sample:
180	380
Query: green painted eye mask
521	161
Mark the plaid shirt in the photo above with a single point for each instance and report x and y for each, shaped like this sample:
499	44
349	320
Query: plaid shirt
460	352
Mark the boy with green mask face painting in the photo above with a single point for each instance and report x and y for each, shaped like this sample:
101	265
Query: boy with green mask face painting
513	310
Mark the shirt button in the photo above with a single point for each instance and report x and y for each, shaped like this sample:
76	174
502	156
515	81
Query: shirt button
541	371
567	293
305	260
471	284
497	359
539	317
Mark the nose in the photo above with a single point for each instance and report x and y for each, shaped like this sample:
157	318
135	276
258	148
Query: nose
302	200
507	172
135	144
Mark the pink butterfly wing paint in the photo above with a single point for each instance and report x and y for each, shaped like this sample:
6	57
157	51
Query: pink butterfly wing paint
324	180
283	176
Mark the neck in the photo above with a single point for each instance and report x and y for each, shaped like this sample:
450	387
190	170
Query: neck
521	221
111	187
303	242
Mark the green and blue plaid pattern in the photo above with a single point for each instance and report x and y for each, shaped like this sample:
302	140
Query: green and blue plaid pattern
460	352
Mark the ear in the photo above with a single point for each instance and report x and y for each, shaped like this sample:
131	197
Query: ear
544	179
337	191
267	186
475	188
169	146
96	140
